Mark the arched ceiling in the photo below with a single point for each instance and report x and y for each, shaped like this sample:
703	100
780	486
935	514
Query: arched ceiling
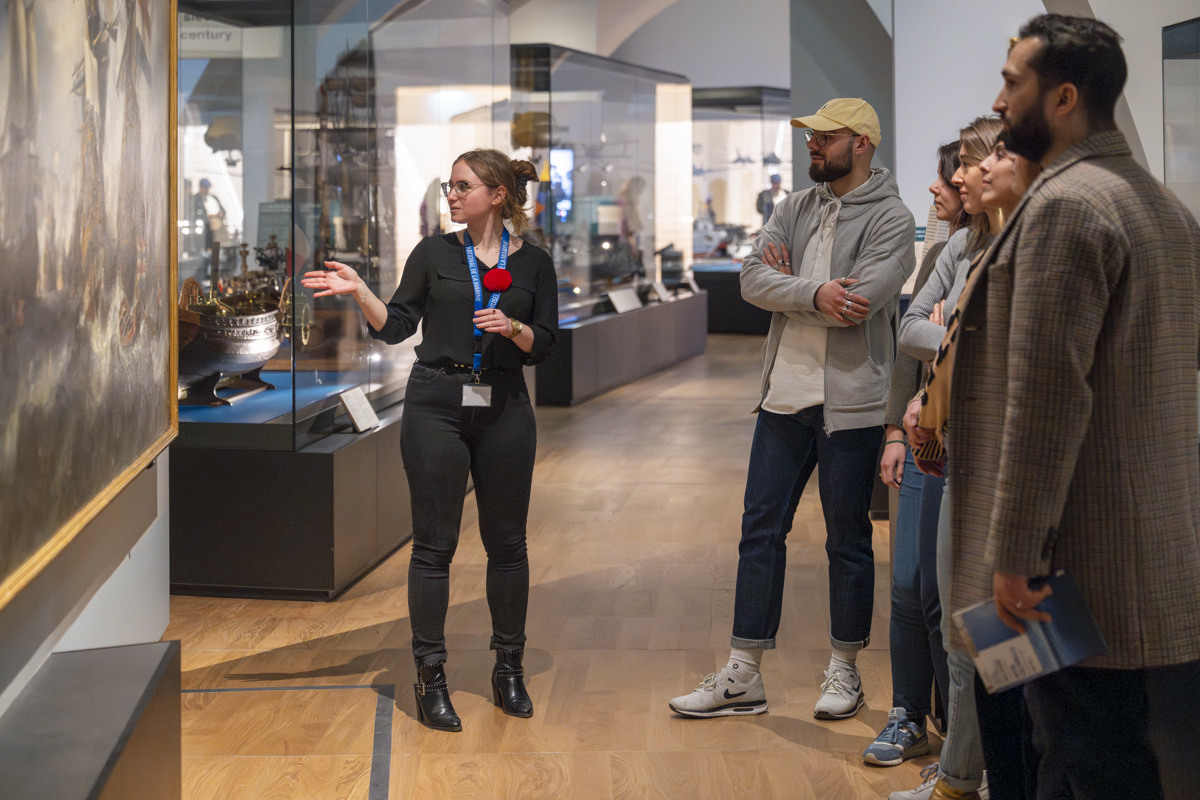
616	20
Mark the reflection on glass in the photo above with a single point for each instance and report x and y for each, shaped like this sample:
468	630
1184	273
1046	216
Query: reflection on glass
312	132
1181	111
742	146
591	125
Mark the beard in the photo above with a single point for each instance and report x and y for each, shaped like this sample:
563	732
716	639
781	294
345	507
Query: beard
1029	136
831	169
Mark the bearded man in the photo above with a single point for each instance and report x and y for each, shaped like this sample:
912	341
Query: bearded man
826	366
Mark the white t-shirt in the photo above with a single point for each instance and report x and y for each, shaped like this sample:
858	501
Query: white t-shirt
798	376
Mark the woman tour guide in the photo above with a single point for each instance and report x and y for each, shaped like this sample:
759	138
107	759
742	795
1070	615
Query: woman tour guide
487	304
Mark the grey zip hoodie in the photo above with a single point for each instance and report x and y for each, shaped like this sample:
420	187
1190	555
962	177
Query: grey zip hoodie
873	242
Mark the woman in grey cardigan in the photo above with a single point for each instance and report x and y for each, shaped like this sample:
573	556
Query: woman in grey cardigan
921	332
918	660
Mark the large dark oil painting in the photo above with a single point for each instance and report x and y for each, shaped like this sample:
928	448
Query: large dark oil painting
85	229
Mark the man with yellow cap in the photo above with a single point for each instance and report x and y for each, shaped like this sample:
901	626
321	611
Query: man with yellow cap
824	392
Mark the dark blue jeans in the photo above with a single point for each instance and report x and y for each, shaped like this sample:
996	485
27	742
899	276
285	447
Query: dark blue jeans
442	442
918	657
1105	734
786	449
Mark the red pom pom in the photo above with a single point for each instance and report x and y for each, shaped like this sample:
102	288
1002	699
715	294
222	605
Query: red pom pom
497	280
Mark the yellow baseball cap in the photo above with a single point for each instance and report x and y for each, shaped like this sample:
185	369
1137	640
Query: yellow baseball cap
844	112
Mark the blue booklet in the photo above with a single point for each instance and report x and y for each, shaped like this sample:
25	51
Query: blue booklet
1005	658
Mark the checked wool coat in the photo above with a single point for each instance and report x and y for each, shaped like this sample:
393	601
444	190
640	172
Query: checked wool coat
1073	414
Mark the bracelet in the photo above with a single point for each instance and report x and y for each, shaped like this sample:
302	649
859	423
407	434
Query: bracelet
362	295
895	441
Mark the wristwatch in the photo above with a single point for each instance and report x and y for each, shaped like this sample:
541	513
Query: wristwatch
517	327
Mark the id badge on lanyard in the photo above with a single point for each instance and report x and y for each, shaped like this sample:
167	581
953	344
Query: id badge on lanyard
477	394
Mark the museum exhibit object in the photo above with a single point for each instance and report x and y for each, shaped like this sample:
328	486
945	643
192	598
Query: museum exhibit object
307	134
86	325
611	141
742	137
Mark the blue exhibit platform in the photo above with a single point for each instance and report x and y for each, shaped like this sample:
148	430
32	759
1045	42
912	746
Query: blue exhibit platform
723	265
272	404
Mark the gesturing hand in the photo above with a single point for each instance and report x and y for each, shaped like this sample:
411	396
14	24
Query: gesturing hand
336	278
836	299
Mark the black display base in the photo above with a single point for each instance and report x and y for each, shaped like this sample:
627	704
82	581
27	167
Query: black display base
727	311
97	724
600	353
300	525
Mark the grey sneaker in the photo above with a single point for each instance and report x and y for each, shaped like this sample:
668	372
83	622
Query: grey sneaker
723	694
929	778
901	738
841	694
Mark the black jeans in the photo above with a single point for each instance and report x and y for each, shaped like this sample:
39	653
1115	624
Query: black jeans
786	449
1109	733
1006	733
442	442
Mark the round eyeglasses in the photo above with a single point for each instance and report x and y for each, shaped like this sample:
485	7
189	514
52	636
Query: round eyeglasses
822	138
462	188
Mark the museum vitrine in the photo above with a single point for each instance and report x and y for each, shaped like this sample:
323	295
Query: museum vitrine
611	141
312	133
309	132
741	140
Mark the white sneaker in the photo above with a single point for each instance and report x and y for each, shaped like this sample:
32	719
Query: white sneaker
841	694
723	694
930	777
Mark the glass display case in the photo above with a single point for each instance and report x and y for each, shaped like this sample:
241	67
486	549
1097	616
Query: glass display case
1181	111
742	138
308	132
610	140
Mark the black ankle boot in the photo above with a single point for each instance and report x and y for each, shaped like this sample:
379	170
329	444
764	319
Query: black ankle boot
433	699
508	684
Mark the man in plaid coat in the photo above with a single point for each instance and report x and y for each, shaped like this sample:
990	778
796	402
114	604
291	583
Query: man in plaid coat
1074	421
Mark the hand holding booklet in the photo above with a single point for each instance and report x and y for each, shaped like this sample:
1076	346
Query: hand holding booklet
1005	658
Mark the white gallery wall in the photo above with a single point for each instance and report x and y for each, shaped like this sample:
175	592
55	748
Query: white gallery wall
716	43
948	55
1140	25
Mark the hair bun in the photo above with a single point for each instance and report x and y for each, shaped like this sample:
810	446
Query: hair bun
525	170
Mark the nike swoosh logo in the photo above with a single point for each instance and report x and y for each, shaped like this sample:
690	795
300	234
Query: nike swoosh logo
729	696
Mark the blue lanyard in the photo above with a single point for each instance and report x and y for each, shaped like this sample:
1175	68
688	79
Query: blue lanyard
477	359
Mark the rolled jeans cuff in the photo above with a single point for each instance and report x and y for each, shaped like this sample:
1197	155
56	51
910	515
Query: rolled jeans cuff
751	644
852	647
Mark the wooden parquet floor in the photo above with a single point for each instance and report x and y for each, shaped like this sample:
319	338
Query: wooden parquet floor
633	546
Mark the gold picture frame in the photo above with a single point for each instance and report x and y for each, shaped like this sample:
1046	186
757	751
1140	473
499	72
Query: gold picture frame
104	277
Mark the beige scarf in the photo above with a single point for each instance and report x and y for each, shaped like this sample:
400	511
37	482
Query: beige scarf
935	397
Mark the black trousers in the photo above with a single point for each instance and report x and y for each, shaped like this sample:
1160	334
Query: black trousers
1006	733
1119	734
442	442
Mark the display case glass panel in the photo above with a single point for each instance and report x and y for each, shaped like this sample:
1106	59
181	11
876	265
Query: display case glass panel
1181	111
592	126
741	138
309	133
